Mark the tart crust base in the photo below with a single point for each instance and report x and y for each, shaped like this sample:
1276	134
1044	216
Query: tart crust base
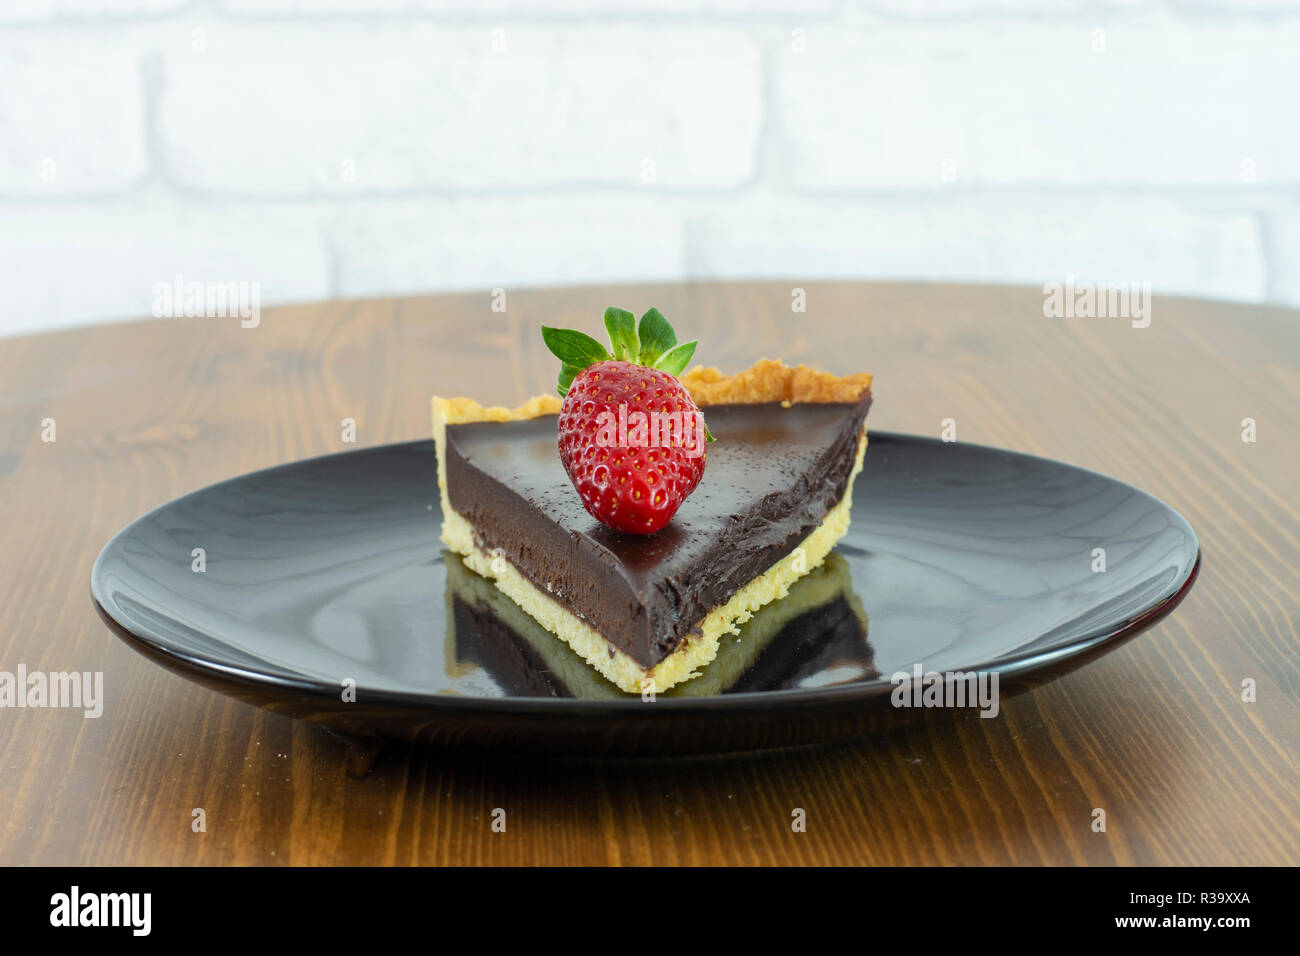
766	381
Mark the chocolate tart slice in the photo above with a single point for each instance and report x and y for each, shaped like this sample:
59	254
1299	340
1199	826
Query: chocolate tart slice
648	611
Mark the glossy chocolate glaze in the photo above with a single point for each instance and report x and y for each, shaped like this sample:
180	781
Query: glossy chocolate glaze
771	477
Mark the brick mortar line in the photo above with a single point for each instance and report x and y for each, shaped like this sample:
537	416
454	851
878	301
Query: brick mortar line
872	15
754	190
470	18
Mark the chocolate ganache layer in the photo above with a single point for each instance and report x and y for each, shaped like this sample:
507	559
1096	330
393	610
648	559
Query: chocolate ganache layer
770	479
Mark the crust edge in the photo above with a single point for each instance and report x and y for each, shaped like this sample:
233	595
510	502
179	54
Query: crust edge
767	380
771	380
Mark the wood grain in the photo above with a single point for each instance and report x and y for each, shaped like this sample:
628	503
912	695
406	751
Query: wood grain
1155	733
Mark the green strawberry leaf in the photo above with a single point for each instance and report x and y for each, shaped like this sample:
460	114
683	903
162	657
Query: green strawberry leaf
656	336
567	372
621	325
653	344
574	348
674	361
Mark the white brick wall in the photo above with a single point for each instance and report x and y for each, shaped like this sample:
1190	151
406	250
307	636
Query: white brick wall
44	11
367	147
73	127
981	237
392	247
437	111
1156	103
66	263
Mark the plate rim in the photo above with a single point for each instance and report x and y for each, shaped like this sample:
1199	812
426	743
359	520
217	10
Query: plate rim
432	704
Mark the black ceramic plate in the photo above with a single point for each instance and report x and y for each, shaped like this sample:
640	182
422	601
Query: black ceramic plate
960	558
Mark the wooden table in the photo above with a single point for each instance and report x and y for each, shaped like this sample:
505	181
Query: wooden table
1155	733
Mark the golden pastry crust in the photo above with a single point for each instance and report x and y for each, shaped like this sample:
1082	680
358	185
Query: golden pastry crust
771	380
767	380
462	411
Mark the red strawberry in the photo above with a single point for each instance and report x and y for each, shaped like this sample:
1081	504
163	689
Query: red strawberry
630	436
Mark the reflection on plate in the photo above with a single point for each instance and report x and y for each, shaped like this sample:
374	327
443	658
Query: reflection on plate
814	637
